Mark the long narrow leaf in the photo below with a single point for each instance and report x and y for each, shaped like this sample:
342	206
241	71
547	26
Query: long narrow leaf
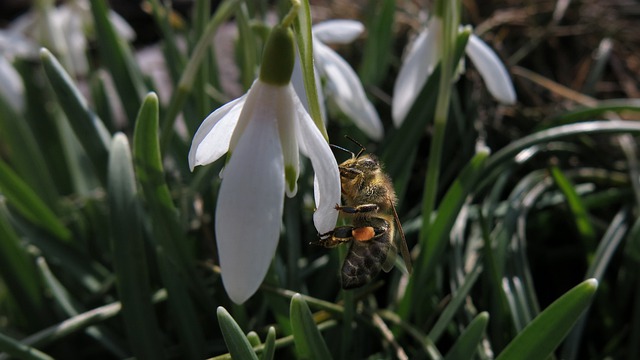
542	336
307	337
580	214
237	342
20	351
89	129
25	153
129	254
19	274
116	55
166	230
28	204
467	343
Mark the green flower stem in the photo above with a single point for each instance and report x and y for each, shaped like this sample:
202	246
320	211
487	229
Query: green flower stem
292	14
450	23
304	39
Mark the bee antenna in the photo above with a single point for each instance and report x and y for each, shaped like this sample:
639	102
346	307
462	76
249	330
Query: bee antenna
343	149
362	148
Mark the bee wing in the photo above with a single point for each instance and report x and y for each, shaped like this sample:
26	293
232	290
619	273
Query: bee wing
391	256
404	249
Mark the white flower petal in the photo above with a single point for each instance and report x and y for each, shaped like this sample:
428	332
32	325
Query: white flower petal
337	31
287	118
249	210
211	141
121	26
327	177
416	68
347	91
12	88
491	69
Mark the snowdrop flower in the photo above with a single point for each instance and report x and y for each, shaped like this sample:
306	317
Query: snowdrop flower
62	29
14	45
263	132
342	83
424	55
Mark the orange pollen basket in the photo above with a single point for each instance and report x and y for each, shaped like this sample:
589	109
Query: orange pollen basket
363	234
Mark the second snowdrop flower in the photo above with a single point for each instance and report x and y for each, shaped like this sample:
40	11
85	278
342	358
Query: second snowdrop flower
342	83
424	55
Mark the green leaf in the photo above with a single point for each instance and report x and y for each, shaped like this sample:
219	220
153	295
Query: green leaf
89	129
237	343
24	153
19	274
467	343
452	308
247	53
436	240
28	204
546	331
507	154
72	308
378	46
15	348
269	348
117	56
307	337
602	107
129	254
167	233
580	214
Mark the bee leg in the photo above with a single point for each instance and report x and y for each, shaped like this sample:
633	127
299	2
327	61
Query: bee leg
365	208
337	236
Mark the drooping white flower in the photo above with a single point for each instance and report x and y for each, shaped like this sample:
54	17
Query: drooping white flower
342	83
263	131
424	55
64	28
12	46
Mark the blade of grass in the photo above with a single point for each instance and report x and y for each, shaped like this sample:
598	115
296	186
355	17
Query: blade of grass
452	308
88	127
72	308
539	339
606	248
15	348
79	322
166	230
434	244
602	107
237	343
507	154
467	343
378	46
19	274
269	347
28	204
307	337
24	153
130	264
117	56
580	214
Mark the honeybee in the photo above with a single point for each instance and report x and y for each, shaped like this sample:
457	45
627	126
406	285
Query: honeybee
369	199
